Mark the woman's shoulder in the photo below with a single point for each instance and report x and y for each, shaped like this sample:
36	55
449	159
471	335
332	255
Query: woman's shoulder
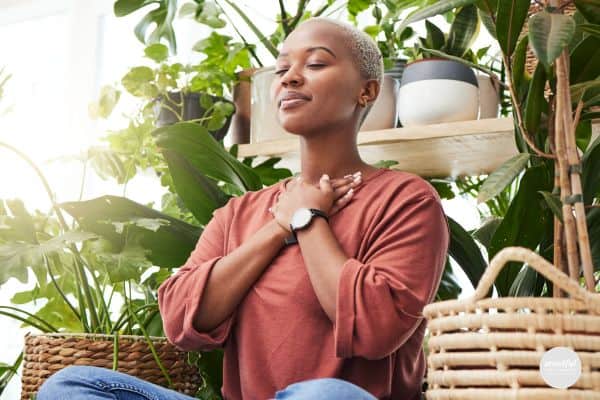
408	185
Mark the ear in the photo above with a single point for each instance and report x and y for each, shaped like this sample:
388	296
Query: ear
369	92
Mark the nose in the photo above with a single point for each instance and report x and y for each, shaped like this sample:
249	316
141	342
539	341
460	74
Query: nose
292	77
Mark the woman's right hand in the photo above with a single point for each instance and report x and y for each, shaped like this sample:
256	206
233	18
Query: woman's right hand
343	189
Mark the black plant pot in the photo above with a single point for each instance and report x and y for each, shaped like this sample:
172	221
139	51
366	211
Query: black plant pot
191	110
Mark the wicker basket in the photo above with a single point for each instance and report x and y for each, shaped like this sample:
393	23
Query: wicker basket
490	348
46	354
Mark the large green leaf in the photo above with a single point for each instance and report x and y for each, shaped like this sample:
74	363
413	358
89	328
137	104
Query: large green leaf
200	149
435	36
502	177
585	60
464	250
485	232
200	194
486	9
591	29
16	257
463	31
580	90
518	66
160	18
536	102
590	178
439	7
590	10
549	34
510	18
170	245
527	283
523	224
449	287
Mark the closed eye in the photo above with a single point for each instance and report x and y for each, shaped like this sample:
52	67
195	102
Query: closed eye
313	66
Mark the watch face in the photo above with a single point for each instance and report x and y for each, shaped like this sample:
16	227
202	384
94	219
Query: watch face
301	218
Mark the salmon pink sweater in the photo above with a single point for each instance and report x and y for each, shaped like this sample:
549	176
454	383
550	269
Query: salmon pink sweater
395	235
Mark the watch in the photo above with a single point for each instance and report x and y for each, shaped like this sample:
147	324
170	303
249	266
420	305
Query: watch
302	218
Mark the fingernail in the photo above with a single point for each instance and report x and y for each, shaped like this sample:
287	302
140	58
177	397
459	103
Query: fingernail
326	177
348	176
350	192
357	179
359	173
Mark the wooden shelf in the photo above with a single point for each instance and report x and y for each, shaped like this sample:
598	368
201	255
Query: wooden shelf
442	150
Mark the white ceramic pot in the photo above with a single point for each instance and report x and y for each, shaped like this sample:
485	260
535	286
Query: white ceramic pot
264	125
435	91
489	96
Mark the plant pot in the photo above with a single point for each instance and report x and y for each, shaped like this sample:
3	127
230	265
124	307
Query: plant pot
191	110
489	96
240	121
46	354
435	90
264	125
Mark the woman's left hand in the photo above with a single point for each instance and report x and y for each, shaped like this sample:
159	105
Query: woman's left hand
301	194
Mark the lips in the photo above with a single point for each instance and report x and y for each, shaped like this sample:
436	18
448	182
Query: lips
292	99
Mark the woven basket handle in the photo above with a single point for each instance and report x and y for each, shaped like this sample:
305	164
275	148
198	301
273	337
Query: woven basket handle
538	263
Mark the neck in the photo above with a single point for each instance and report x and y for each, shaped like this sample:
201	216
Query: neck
333	153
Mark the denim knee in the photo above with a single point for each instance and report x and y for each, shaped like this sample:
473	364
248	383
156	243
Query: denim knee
322	389
63	381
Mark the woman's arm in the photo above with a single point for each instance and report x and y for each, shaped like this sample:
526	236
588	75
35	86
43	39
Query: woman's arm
235	273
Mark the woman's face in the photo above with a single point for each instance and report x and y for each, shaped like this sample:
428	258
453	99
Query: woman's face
318	84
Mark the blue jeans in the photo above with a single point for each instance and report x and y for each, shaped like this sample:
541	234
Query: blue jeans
93	383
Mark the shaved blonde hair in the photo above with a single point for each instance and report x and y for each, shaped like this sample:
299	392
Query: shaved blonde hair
364	51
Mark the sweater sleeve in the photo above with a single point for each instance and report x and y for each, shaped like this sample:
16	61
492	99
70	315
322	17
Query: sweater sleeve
179	297
380	300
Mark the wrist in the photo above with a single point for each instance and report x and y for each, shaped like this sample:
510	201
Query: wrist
279	231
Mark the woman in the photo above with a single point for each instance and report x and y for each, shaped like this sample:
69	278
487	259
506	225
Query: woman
313	286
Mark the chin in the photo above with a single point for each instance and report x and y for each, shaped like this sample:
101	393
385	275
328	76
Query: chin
294	125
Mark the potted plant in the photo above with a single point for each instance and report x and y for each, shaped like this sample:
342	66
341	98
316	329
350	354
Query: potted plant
550	214
427	76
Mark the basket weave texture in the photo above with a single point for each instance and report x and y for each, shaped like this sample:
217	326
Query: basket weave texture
484	348
46	354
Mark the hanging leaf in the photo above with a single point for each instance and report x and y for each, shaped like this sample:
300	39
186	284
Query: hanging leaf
549	34
157	52
439	7
590	10
585	61
518	65
486	9
554	204
510	18
590	178
160	18
583	134
502	177
201	150
463	31
435	36
536	102
200	194
486	231
523	224
590	28
169	246
465	252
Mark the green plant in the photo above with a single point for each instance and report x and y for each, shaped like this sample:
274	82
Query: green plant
527	203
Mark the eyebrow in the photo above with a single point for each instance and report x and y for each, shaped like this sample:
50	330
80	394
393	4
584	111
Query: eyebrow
311	49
